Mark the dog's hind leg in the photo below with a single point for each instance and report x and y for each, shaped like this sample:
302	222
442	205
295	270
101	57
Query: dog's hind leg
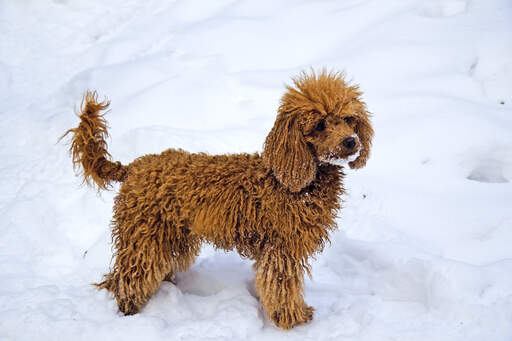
141	264
185	249
147	250
279	282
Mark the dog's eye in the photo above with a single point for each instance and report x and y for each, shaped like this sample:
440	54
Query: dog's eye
348	119
320	126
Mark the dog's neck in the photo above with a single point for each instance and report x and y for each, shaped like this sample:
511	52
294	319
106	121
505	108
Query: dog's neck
328	177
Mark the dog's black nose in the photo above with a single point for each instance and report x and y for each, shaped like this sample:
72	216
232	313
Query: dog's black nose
349	142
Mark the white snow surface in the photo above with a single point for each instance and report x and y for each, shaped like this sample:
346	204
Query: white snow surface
423	250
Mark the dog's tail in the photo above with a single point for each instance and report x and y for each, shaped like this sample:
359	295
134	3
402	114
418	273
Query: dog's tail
89	148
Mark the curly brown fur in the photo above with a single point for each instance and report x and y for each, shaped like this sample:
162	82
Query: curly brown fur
89	148
276	209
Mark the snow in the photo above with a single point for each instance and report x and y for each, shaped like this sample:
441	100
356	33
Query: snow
330	159
423	247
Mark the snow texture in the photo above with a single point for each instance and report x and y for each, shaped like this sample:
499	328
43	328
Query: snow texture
423	250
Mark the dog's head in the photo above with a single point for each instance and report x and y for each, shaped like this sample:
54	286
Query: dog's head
321	119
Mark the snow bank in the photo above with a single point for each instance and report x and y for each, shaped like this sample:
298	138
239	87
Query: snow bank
423	251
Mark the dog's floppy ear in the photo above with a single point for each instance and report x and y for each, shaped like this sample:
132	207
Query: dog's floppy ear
364	131
287	154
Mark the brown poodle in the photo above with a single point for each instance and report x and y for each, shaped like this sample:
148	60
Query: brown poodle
276	208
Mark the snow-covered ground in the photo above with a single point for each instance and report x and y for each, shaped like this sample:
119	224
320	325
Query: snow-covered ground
424	246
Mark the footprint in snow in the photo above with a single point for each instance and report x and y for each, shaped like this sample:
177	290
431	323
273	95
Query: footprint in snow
490	171
491	166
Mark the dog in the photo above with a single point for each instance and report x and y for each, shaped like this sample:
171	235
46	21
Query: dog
276	208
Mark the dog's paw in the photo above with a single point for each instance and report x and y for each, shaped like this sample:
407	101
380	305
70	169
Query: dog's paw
171	277
287	318
127	307
308	314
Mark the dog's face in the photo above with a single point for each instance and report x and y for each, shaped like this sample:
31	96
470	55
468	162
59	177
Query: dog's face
331	137
320	120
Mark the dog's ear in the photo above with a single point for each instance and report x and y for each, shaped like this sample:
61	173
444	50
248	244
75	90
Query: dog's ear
364	131
287	154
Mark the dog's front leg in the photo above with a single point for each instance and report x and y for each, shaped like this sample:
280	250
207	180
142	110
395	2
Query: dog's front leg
279	281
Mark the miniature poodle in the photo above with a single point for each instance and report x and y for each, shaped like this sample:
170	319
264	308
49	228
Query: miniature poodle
276	208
